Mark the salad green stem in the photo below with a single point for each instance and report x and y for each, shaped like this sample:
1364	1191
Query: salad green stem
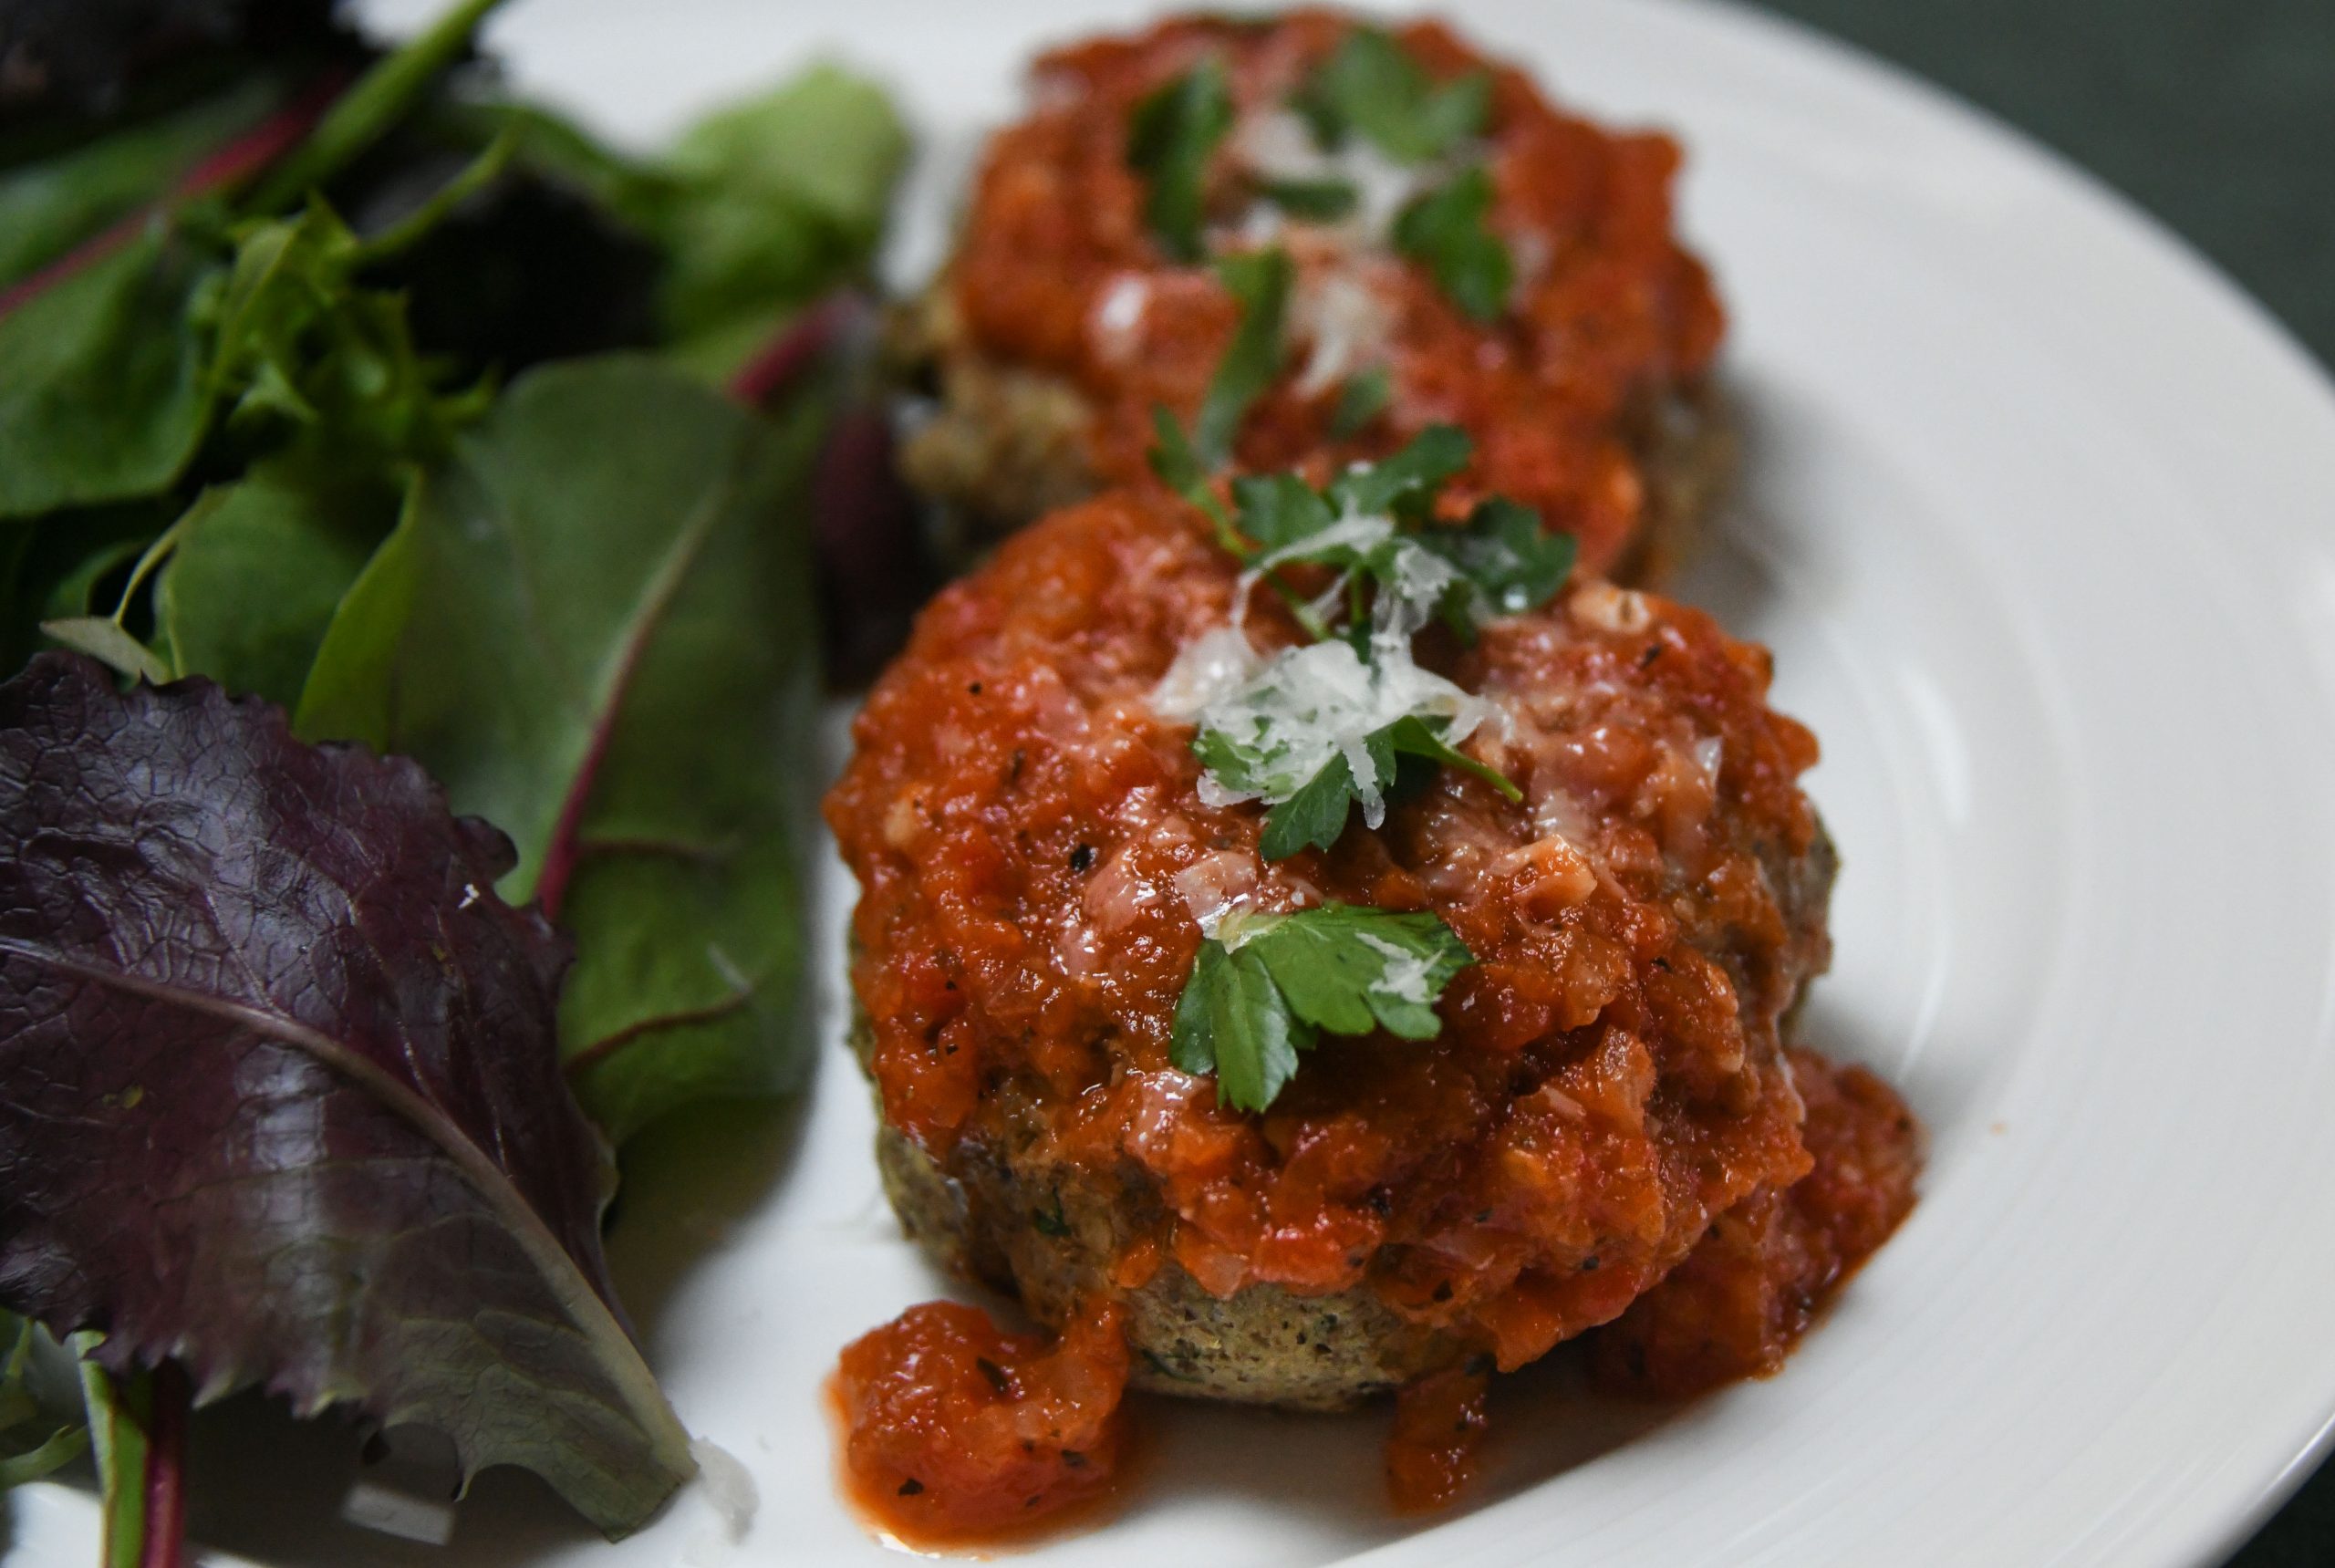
138	1428
378	101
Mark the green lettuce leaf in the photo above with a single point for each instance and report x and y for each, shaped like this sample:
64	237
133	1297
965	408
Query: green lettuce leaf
593	625
259	570
102	380
763	205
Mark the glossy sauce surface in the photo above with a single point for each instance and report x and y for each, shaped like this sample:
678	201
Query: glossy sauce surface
958	1432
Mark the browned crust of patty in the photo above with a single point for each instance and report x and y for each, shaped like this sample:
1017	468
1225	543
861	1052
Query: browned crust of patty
996	445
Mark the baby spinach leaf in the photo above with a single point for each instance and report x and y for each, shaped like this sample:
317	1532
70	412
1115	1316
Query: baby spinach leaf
255	577
1265	985
1446	230
1259	281
591	624
75	593
103	639
280	1100
1174	132
1370	85
101	394
765	206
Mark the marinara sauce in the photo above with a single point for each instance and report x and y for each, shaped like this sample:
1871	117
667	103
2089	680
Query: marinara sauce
1608	314
958	1432
1034	858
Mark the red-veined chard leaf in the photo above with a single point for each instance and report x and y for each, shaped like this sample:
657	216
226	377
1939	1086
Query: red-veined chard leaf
593	625
49	205
279	1094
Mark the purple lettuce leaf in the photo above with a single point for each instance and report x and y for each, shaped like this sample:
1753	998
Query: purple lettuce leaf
280	1098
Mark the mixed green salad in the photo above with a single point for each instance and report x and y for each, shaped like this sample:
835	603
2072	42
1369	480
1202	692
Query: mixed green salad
410	514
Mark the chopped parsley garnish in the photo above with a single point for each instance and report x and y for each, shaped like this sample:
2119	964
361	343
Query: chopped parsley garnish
1363	398
1504	556
1312	201
1402	485
1260	280
1267	986
1445	230
1370	85
1315	815
1317	730
1174	131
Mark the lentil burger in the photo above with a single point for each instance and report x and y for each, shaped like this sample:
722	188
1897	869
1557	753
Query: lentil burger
1048	872
1322	238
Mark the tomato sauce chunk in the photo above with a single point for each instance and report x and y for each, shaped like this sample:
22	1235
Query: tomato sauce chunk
1439	1424
958	1432
1744	1297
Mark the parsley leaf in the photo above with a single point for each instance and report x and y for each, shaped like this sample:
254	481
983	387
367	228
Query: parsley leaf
1445	229
1369	84
1314	201
1279	510
1402	485
1507	560
1315	815
1233	1021
1173	459
1413	736
1266	986
1168	142
1363	398
1178	468
1324	727
1259	281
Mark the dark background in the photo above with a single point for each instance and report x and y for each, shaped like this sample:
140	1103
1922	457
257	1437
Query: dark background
2218	116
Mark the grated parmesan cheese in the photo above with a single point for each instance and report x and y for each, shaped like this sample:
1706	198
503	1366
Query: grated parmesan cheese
1277	144
1306	706
1206	670
1405	976
1118	317
1311	704
1348	324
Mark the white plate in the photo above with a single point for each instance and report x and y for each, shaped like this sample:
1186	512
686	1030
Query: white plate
2041	526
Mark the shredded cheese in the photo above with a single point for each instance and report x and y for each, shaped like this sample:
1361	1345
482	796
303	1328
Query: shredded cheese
1405	976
